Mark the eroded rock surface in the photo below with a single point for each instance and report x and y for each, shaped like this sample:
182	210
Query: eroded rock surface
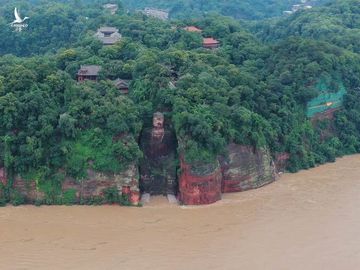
3	179
243	168
93	186
97	182
200	183
246	168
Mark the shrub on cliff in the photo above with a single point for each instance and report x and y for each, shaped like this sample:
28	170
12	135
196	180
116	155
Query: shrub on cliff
69	196
16	198
111	195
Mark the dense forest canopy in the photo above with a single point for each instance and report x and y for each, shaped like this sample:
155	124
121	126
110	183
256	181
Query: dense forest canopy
239	9
337	22
254	90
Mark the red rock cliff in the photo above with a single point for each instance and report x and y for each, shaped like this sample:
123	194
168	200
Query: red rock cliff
3	178
199	184
243	168
91	187
246	168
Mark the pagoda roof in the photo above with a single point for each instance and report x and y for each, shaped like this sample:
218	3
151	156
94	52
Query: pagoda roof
89	70
208	41
192	29
120	83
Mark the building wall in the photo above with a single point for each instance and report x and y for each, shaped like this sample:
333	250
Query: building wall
211	46
82	78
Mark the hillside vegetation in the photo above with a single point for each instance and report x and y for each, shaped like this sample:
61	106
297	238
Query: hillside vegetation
239	9
253	90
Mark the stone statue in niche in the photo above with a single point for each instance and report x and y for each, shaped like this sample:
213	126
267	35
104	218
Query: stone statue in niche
158	130
158	167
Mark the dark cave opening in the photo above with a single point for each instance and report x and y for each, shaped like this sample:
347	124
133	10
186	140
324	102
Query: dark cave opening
159	164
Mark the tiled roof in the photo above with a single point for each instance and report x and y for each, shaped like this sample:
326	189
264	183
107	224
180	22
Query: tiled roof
108	35
192	29
110	6
157	13
210	41
107	29
89	70
119	83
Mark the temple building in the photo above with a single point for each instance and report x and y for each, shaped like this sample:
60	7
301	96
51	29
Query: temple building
192	29
122	86
108	35
111	7
210	43
88	72
156	13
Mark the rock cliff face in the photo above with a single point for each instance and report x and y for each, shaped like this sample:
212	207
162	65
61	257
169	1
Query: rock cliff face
28	189
3	182
246	168
243	168
96	183
281	161
2	176
199	184
93	186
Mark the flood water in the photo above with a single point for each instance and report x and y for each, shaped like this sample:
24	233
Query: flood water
309	220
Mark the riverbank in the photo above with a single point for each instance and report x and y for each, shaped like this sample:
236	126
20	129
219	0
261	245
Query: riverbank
307	220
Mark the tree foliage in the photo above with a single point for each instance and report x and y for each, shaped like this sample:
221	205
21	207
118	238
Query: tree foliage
253	90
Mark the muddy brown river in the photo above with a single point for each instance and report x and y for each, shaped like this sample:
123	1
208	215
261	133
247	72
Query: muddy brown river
309	220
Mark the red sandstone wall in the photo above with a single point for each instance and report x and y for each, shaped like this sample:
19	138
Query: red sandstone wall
28	189
3	179
330	130
88	188
199	189
243	168
246	168
281	160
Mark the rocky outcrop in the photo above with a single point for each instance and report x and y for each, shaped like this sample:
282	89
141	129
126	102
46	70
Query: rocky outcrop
242	168
3	182
199	183
245	168
94	186
28	189
96	183
3	178
281	161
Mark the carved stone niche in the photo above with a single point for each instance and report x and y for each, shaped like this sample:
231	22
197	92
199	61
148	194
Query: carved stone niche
158	167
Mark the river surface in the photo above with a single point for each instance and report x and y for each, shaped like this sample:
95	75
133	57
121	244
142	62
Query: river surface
309	220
